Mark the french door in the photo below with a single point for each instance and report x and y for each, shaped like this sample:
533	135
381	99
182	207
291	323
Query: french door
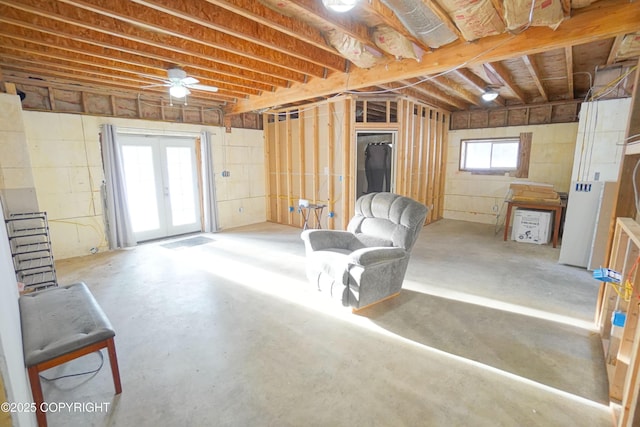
162	188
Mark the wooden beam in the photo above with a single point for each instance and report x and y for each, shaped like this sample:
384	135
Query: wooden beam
289	164
100	76
251	32
331	137
302	183
568	54
134	14
86	81
430	90
460	91
28	50
315	152
614	49
262	14
105	31
503	74
529	62
603	19
444	17
326	19
389	18
32	40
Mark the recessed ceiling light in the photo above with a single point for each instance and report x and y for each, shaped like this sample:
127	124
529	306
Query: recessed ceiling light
489	94
339	5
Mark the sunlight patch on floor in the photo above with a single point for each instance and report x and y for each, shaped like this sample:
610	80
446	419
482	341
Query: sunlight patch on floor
497	305
299	291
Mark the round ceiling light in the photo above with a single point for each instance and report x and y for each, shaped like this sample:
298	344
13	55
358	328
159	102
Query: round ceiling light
489	94
178	91
339	5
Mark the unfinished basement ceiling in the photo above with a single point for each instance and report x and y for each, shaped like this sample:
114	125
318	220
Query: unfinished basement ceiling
281	53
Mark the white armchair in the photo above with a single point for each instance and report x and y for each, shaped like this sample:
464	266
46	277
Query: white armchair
367	263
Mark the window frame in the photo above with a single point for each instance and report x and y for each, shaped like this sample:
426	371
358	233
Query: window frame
515	171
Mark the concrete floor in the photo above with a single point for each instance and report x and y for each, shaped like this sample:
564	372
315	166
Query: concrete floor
485	333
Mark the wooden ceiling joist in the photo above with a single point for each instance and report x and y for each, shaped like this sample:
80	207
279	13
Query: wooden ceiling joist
24	38
500	71
57	56
245	29
609	19
529	62
79	24
568	54
261	14
75	81
171	26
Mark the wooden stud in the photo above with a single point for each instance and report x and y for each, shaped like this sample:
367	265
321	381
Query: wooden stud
331	157
347	148
114	107
289	164
415	152
268	141
316	153
353	162
278	170
301	161
52	100
426	135
444	145
83	102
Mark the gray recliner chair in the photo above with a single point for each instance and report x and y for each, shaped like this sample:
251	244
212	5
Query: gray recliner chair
367	263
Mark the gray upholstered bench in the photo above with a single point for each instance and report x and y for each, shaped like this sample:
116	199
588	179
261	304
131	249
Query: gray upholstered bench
59	325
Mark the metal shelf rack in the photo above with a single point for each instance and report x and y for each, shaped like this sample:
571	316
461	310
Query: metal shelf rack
30	244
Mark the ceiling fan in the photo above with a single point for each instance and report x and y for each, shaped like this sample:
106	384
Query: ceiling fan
179	83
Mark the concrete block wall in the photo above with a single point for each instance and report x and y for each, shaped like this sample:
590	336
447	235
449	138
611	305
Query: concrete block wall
475	198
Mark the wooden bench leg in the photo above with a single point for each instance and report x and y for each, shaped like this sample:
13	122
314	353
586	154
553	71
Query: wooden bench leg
38	398
113	360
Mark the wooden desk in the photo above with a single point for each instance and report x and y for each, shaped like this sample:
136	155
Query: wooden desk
540	206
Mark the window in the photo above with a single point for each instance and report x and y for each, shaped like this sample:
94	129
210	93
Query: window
492	156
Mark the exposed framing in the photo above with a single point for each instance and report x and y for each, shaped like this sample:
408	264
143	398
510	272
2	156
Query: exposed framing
420	157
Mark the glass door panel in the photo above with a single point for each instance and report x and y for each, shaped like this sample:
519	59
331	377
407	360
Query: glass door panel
162	188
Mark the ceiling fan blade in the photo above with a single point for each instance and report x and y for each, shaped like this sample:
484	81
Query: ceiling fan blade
190	81
204	88
149	76
156	85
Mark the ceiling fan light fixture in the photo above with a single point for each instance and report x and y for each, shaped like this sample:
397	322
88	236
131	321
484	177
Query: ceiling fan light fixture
178	91
339	5
489	94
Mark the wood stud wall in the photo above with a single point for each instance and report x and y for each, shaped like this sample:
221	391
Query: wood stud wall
311	154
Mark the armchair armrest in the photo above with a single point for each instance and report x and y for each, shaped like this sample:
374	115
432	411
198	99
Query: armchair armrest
317	240
370	256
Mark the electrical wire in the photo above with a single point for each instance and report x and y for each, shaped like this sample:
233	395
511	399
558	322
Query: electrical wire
634	177
79	373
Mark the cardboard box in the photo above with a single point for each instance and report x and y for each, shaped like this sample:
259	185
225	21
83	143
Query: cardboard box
531	226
